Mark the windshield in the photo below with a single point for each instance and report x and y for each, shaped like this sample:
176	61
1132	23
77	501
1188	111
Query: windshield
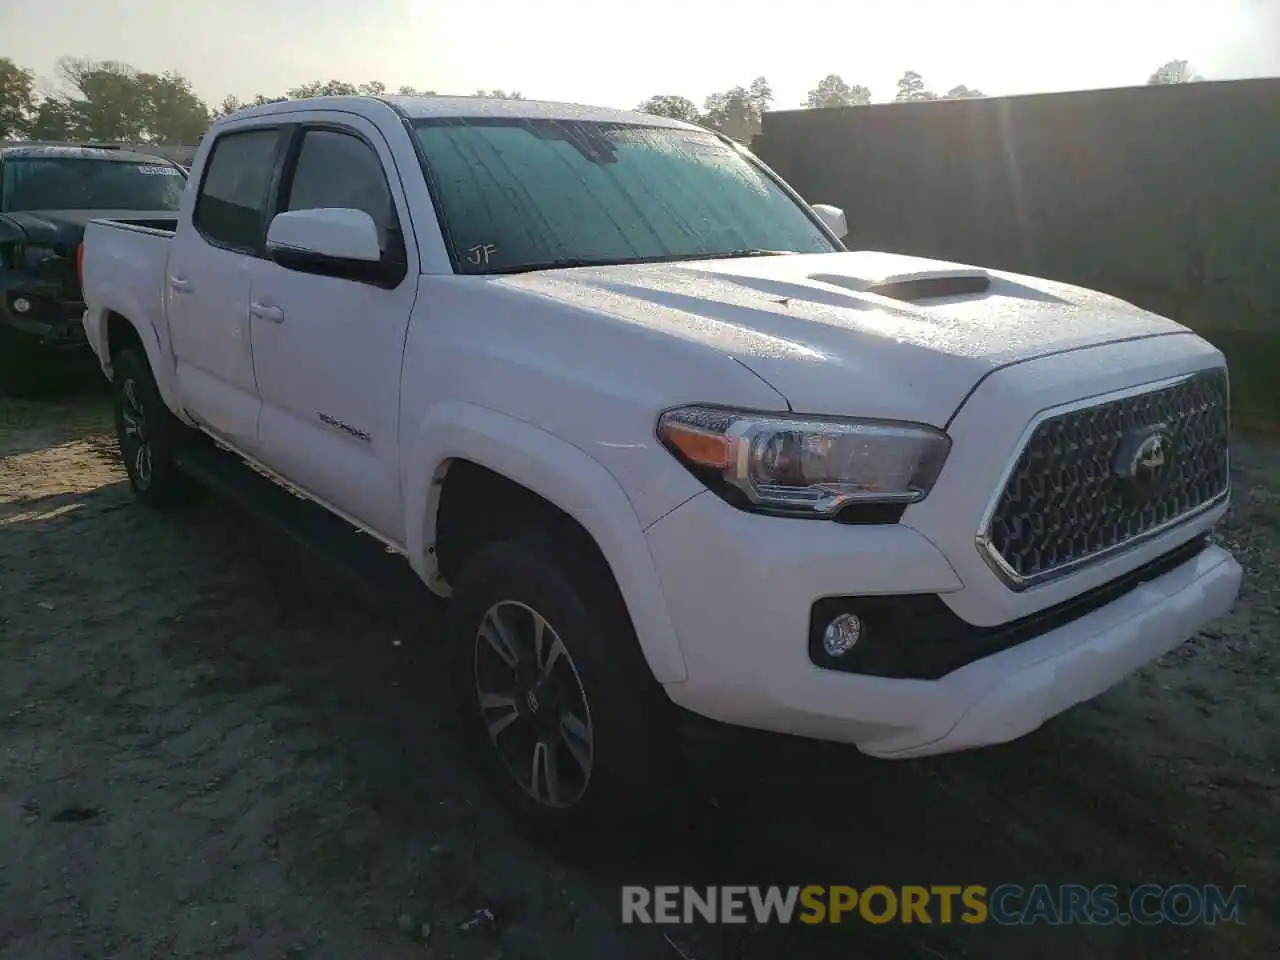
68	183
527	193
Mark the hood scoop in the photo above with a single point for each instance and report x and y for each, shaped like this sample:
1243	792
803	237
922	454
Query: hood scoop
914	286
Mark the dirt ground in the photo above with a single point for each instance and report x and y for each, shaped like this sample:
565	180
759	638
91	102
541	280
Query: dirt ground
209	748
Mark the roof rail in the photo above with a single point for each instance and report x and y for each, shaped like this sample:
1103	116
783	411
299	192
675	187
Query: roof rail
100	146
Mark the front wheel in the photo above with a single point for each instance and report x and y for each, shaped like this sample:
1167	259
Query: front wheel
556	697
147	433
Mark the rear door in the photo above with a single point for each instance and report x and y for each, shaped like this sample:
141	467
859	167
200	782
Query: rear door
208	277
327	351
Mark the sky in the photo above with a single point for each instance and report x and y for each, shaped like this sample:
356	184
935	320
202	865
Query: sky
617	54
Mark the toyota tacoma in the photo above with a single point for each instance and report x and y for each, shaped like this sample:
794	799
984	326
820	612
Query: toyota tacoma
609	385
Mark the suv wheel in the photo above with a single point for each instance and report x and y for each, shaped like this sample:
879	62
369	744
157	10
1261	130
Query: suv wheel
555	695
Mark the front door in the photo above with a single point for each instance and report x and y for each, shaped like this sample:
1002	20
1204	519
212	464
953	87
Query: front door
327	351
207	285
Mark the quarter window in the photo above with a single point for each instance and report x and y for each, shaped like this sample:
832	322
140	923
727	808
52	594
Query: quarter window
232	204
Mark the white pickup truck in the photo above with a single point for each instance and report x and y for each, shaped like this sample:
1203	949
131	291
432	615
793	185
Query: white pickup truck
613	387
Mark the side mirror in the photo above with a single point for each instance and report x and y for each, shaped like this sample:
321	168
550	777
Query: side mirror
832	218
334	241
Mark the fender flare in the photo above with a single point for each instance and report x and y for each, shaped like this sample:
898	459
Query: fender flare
563	475
114	300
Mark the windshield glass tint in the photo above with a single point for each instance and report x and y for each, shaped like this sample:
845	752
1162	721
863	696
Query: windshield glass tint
74	184
525	192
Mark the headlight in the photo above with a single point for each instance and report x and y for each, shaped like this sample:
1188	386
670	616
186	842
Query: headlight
805	466
37	258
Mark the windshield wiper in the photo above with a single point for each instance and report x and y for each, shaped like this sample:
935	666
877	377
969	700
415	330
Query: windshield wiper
565	263
748	252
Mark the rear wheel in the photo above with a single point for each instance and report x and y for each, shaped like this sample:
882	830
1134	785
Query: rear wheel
148	434
555	695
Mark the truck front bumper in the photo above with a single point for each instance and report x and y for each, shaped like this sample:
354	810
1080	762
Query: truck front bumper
46	323
741	591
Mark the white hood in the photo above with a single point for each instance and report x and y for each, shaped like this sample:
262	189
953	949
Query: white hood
810	327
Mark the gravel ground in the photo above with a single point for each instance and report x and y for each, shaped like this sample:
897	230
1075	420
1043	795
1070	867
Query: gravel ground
209	748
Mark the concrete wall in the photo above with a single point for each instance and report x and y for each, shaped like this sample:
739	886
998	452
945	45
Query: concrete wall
1166	196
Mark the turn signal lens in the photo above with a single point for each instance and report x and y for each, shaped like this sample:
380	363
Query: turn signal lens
698	446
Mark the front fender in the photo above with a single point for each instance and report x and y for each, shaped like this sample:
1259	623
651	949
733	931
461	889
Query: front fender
560	473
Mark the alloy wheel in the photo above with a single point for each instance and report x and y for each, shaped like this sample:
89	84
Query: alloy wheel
135	443
533	704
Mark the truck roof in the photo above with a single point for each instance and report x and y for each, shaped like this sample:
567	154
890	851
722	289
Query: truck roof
426	107
28	151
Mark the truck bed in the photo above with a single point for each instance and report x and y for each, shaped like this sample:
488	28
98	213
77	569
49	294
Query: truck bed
126	262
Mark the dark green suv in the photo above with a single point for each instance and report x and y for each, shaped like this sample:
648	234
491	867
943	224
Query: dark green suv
47	194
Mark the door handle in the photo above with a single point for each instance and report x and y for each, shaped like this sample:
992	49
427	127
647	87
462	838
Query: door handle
263	312
180	284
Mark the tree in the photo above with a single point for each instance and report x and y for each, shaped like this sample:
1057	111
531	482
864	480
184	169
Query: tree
737	112
911	87
229	105
730	113
173	113
107	103
114	102
332	88
832	91
323	88
499	94
320	88
669	105
1175	71
17	100
760	94
53	120
963	93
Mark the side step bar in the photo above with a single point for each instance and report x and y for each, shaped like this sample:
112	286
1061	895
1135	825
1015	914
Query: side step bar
382	577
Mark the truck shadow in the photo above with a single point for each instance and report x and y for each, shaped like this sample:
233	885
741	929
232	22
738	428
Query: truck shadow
35	424
1060	806
380	812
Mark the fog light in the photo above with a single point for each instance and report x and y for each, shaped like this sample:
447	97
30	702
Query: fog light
842	634
22	305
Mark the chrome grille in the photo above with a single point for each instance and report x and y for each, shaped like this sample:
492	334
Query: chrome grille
1065	502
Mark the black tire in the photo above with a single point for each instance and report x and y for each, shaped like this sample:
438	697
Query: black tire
148	434
634	774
